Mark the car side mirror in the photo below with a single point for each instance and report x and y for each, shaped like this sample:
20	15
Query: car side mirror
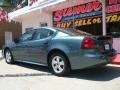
16	40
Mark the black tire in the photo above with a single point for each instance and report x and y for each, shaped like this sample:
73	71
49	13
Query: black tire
9	60
66	67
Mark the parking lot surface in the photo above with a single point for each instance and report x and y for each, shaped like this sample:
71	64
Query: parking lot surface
31	77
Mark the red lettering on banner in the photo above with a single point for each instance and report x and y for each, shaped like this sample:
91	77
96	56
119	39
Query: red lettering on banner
97	6
85	8
88	10
76	10
58	16
69	11
89	7
82	8
64	12
113	1
113	8
118	1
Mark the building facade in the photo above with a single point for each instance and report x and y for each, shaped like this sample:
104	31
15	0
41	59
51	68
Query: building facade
14	28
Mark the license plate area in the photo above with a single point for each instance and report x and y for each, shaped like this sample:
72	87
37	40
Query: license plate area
107	47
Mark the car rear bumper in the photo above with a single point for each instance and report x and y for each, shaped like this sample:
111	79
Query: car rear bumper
90	60
80	64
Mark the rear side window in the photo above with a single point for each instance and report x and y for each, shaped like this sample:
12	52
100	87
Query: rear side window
42	34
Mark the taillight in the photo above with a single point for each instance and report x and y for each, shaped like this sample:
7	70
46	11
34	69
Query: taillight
88	43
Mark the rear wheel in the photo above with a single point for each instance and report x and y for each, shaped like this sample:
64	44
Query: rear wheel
59	64
9	57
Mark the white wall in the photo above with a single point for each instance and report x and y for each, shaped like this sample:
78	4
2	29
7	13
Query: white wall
35	19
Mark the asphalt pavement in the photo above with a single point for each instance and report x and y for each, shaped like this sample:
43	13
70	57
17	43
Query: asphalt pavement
22	76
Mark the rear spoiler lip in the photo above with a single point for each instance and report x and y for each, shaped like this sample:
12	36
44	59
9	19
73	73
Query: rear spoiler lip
107	37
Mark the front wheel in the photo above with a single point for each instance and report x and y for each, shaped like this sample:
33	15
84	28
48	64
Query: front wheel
59	64
8	57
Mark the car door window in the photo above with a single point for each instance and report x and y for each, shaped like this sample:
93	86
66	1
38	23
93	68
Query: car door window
26	37
41	34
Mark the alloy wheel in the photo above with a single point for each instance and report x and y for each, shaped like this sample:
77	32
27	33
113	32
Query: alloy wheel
58	64
8	56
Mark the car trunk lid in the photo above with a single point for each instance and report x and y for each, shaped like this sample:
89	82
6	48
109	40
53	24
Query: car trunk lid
104	45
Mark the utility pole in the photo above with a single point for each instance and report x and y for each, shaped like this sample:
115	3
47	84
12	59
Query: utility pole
104	17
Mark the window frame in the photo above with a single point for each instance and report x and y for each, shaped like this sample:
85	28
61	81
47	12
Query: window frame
38	31
29	32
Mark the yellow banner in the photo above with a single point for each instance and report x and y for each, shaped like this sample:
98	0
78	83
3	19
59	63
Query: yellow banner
88	21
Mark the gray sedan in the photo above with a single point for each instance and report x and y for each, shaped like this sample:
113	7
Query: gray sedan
62	50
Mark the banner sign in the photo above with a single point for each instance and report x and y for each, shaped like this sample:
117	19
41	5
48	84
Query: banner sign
80	11
87	21
112	6
3	15
86	14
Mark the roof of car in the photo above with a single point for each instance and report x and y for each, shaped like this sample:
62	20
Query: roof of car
68	29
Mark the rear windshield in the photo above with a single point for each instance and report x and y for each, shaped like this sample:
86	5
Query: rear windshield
73	32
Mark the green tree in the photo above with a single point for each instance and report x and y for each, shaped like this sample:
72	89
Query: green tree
11	2
5	2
